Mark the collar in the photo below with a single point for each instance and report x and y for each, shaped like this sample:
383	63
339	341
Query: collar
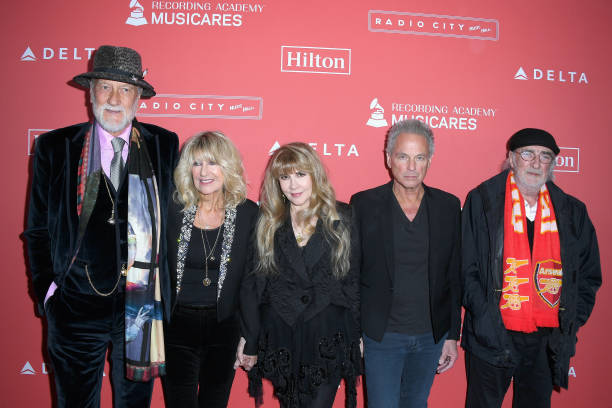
105	137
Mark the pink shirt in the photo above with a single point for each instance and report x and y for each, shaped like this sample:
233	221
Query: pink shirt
106	147
106	153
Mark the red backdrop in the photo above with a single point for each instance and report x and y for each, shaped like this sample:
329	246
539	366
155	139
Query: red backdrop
281	71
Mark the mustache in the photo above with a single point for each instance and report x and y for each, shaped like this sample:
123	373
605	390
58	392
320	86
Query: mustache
114	108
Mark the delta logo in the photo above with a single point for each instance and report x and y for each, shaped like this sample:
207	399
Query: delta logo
57	53
551	75
326	149
316	60
27	369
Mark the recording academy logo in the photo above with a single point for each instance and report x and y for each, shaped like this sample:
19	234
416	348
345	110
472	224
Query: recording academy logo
552	75
397	22
136	17
316	60
377	117
202	106
28	369
191	13
437	115
59	53
568	160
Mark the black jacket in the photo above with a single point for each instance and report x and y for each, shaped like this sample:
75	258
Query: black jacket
484	333
53	222
228	302
304	286
373	217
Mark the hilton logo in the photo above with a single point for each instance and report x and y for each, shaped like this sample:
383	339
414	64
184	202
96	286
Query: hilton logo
568	160
316	60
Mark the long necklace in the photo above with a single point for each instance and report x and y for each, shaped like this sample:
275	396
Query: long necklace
111	219
206	281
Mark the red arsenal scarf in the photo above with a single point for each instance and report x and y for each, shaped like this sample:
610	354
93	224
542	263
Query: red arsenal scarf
532	281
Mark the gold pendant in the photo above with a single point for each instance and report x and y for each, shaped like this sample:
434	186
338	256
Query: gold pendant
206	282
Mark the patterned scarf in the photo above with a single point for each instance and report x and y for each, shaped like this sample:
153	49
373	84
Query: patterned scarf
532	281
144	341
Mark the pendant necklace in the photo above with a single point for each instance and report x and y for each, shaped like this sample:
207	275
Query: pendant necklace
111	219
208	255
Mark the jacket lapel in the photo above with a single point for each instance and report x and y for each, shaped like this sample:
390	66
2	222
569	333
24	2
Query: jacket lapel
74	149
315	247
152	148
288	246
435	234
494	203
386	216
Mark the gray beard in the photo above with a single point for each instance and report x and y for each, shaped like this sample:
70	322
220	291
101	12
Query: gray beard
98	112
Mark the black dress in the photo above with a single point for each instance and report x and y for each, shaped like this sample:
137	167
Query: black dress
307	335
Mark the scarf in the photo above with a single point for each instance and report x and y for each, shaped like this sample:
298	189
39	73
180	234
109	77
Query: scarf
144	341
532	280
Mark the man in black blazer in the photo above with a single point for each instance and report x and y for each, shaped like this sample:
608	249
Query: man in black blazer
96	213
410	274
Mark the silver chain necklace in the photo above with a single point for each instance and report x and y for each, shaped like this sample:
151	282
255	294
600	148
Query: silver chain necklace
208	255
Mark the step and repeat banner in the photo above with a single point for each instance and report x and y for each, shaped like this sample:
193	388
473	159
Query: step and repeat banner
335	74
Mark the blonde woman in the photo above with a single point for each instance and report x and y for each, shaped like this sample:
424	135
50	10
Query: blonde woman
304	332
209	225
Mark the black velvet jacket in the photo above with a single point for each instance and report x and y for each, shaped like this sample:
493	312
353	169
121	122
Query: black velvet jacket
373	213
53	223
305	285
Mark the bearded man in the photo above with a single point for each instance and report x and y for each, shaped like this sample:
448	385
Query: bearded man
96	213
530	266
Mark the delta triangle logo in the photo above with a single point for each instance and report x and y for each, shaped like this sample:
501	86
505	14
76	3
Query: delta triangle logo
274	148
28	55
28	369
520	74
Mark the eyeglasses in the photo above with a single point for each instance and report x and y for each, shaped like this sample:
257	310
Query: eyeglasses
530	155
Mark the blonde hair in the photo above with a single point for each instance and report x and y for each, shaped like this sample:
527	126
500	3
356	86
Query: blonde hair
274	211
212	147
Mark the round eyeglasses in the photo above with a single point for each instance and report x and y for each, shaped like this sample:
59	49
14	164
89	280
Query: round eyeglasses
530	155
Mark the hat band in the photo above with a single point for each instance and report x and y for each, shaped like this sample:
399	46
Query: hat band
119	72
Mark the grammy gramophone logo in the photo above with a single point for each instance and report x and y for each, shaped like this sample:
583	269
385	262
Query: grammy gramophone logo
136	17
377	117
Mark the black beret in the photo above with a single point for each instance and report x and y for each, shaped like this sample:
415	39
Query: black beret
532	137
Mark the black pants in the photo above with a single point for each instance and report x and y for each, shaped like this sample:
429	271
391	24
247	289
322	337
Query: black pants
532	388
81	328
200	355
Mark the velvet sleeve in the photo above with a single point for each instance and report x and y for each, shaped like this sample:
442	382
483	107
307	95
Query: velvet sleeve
37	232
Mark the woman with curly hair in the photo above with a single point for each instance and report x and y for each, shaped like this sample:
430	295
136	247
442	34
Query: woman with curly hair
209	229
301	303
